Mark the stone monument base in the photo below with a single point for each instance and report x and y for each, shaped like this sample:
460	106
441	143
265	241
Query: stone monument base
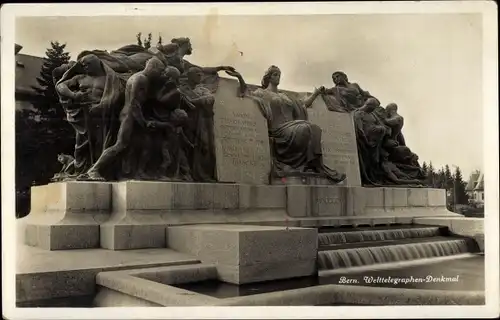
136	214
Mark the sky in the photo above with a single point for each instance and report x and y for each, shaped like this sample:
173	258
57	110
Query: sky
429	64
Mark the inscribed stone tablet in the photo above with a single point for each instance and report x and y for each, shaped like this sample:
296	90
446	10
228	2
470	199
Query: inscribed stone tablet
241	137
340	150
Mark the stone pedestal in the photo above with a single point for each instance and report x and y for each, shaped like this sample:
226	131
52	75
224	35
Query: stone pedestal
247	254
135	214
67	215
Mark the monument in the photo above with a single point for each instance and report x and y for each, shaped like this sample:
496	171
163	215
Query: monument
236	176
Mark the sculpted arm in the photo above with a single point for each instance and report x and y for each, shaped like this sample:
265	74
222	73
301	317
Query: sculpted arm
163	97
310	99
363	92
64	90
394	121
243	86
213	70
137	94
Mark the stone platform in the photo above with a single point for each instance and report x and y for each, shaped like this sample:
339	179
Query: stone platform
135	214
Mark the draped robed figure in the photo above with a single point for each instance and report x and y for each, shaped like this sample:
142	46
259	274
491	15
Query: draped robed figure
295	142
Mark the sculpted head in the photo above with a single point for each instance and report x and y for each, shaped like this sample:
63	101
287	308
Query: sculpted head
91	64
184	44
179	117
169	49
194	75
391	108
154	67
371	104
340	78
172	73
272	76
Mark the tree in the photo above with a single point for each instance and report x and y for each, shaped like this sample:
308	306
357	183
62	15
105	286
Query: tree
42	134
431	176
139	40
440	179
425	168
146	42
448	178
460	184
49	101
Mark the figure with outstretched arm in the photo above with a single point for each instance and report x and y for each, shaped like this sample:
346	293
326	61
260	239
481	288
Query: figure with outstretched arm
184	48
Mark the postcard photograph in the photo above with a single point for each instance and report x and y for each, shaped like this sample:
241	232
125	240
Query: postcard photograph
183	158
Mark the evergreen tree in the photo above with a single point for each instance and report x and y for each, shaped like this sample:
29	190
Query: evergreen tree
425	168
160	40
460	185
139	40
431	176
448	178
49	100
42	134
440	179
147	41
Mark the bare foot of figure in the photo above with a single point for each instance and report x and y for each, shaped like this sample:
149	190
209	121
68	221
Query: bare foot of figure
91	176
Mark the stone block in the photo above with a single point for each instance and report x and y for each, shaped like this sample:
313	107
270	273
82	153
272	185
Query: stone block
403	220
243	252
395	198
329	201
260	272
195	196
262	197
374	197
132	235
66	215
383	221
358	221
142	195
226	196
356	201
299	201
417	197
436	197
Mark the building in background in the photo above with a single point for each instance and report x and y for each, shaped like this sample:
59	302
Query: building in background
475	189
27	70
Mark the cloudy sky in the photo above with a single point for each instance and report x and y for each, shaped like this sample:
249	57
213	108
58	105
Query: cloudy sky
429	64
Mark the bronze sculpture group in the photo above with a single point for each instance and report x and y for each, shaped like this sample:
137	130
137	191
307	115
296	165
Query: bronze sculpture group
148	115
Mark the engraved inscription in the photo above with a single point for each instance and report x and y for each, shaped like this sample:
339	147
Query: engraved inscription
329	201
241	138
338	141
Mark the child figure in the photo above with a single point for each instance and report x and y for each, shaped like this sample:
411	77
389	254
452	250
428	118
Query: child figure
174	146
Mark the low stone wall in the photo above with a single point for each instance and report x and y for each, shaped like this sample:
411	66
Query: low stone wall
468	227
156	287
135	214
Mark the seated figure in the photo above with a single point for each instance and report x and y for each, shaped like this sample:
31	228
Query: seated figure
295	142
